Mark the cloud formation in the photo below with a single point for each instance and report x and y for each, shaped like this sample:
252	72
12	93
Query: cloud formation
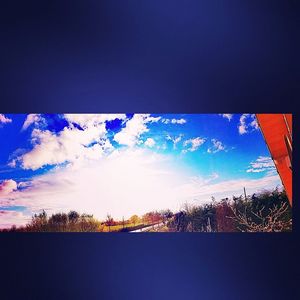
4	119
175	140
227	116
90	120
71	144
193	144
134	128
248	123
124	167
173	121
216	147
149	142
33	119
7	187
261	164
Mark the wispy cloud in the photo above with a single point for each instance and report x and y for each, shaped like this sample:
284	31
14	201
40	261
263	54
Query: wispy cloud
174	121
4	119
202	191
262	164
193	144
33	119
150	142
227	116
175	140
92	120
217	146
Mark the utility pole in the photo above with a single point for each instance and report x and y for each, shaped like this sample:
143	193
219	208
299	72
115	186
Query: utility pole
245	193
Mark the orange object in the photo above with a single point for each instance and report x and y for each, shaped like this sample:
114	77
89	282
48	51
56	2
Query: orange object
277	131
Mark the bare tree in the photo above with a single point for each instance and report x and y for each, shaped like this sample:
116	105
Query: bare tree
271	221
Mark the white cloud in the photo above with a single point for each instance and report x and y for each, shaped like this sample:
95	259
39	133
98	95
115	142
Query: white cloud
150	142
227	116
216	147
71	144
7	187
254	124
35	119
248	123
193	144
4	119
175	140
262	164
133	129
88	120
174	121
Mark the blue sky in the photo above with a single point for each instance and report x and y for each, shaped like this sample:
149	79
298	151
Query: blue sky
124	164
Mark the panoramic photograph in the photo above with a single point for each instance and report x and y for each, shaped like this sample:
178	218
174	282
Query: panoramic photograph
146	172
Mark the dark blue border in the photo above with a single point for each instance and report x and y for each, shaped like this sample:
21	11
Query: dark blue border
150	56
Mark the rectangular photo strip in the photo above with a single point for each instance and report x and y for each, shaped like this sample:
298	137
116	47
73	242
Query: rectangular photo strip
133	173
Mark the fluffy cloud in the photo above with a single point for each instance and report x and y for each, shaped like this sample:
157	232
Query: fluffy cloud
4	120
35	119
133	129
69	145
72	144
193	144
7	187
248	123
174	121
262	164
216	147
149	142
227	116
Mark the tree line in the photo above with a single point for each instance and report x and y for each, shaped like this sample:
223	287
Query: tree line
268	211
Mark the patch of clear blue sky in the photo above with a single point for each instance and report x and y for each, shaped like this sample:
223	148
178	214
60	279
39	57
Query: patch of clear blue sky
229	164
14	208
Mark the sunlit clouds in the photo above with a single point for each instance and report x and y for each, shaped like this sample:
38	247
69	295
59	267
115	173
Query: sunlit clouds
7	186
125	164
4	119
